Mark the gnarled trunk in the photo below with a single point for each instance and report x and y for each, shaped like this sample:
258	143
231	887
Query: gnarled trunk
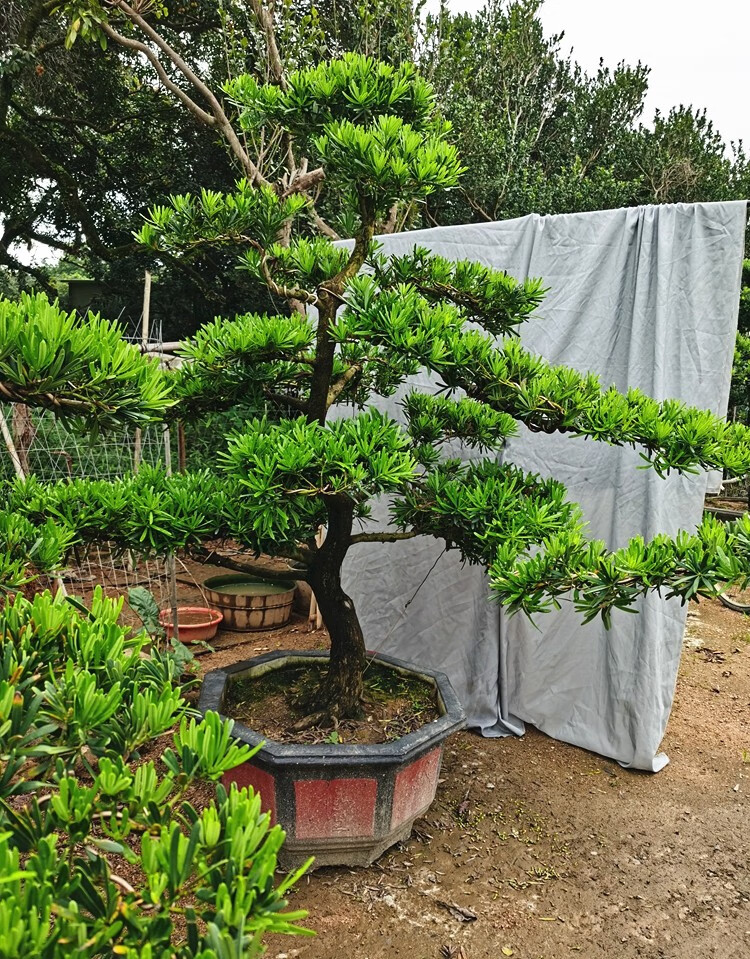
341	689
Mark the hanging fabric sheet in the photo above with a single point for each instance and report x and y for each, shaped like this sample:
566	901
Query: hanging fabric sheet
644	297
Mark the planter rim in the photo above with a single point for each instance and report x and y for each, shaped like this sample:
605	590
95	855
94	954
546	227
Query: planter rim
346	754
275	588
213	616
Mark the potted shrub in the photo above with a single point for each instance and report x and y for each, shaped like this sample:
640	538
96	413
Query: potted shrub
354	326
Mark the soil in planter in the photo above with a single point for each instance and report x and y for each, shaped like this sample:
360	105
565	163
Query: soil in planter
271	705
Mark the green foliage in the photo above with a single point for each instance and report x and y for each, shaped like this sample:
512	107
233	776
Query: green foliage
355	89
241	360
27	548
376	321
744	317
285	473
490	297
79	367
75	694
437	419
389	158
144	512
688	566
739	396
205	438
481	507
256	213
304	262
537	134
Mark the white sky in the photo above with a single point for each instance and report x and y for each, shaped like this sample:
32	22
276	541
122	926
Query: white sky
699	52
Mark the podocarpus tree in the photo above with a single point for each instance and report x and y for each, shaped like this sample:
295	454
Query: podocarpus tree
361	324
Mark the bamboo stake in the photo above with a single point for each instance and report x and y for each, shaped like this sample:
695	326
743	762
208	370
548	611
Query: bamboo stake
181	447
144	346
171	564
11	447
315	617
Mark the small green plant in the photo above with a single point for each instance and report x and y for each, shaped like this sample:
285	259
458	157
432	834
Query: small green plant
144	605
77	702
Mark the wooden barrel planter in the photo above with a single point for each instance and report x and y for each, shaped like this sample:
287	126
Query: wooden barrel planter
249	603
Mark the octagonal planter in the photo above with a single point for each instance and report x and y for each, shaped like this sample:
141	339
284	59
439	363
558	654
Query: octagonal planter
343	804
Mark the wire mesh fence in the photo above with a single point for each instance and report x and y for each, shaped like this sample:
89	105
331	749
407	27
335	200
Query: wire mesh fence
36	443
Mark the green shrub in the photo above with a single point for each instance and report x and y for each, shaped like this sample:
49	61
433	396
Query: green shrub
102	851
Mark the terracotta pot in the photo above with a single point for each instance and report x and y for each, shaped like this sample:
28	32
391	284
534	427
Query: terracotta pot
265	605
194	623
344	804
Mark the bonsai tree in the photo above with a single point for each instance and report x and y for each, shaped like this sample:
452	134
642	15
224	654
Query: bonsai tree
352	326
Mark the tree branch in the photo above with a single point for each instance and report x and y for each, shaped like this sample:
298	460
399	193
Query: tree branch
140	47
475	206
42	165
264	19
284	399
382	537
218	116
336	389
301	182
389	225
212	558
322	226
49	401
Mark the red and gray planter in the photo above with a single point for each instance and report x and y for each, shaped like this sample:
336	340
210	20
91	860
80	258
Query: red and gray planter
343	804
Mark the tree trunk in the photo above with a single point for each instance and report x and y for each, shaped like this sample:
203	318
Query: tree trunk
341	689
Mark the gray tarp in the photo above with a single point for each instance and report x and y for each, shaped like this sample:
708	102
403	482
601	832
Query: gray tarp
644	297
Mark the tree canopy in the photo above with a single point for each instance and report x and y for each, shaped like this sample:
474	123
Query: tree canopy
378	132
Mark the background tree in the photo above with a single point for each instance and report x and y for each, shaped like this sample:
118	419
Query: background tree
88	134
537	134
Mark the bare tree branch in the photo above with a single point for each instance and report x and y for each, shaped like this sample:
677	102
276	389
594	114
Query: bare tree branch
337	388
382	537
322	226
264	17
211	557
217	115
141	47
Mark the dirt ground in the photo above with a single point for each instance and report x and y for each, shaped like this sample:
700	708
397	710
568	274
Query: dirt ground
540	850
